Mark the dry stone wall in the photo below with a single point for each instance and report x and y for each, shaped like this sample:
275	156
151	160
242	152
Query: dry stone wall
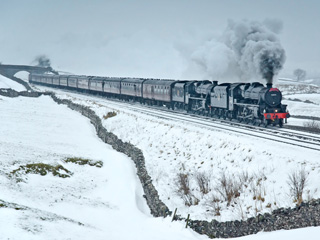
304	215
157	207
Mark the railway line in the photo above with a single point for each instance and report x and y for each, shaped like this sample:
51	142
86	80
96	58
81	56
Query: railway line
279	135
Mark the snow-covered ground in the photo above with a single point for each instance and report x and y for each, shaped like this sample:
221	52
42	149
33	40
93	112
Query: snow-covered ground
8	83
313	97
307	105
296	94
297	88
108	201
260	167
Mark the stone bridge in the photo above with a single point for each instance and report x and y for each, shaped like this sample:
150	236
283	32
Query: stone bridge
10	70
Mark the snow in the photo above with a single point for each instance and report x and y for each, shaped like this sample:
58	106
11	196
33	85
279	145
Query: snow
107	200
172	147
311	233
302	108
313	97
22	75
8	83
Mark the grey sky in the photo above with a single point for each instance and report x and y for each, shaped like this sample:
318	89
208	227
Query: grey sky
142	37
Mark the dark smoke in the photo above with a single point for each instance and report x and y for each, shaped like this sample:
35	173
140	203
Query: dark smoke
247	51
42	61
271	63
257	48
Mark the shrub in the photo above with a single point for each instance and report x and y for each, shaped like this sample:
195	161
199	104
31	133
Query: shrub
228	187
184	192
81	161
214	204
110	115
297	182
312	125
203	181
43	169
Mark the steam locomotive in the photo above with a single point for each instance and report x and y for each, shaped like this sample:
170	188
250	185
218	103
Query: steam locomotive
246	102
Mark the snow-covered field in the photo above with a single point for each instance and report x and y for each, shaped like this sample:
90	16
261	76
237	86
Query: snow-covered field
260	167
302	100
93	203
8	83
108	201
303	105
312	97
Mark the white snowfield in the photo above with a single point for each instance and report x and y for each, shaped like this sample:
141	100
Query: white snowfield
8	83
260	166
107	202
302	108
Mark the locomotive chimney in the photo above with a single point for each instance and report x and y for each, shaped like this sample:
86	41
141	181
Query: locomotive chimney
269	78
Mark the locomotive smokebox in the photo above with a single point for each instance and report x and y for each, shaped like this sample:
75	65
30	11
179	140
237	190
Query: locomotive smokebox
269	85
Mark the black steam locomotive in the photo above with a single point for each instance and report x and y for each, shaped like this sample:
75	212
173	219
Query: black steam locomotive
246	102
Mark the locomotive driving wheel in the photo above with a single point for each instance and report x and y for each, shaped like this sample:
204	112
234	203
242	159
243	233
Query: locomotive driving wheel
281	123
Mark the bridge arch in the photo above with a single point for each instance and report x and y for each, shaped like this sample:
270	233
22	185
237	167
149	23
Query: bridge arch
11	70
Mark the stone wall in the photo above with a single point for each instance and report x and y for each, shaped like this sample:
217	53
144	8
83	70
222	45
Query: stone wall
305	215
8	92
157	207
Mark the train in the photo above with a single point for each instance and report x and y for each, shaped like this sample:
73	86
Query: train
251	103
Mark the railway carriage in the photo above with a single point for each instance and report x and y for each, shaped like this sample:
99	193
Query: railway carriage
158	91
43	79
63	80
132	88
56	80
83	83
48	79
112	86
73	81
96	84
36	78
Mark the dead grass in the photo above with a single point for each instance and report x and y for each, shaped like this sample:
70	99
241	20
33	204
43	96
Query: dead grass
42	169
82	161
203	181
184	191
228	187
110	115
312	125
297	182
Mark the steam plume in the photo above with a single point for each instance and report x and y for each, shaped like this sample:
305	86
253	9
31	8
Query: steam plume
248	49
42	61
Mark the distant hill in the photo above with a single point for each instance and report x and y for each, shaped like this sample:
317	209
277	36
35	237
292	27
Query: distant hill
314	81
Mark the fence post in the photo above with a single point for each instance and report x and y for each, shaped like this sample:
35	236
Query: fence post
188	218
174	215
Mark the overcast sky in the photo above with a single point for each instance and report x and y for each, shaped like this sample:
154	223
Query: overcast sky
146	38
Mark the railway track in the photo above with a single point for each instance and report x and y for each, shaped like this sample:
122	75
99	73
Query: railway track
279	135
287	137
